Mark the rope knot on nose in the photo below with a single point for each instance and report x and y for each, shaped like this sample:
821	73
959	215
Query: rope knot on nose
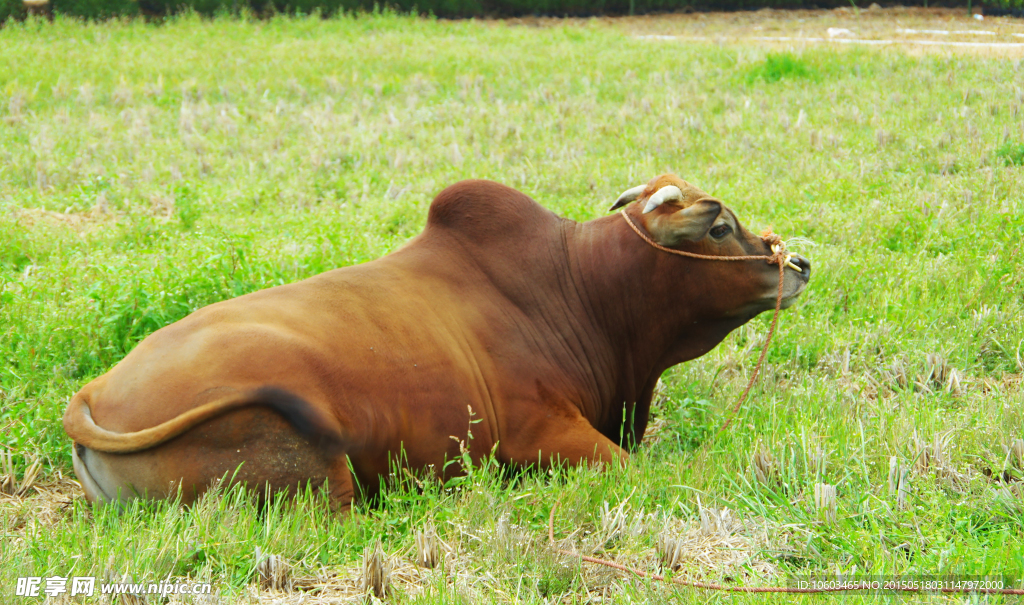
779	256
772	239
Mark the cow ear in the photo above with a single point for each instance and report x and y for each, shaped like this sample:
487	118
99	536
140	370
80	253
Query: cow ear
689	224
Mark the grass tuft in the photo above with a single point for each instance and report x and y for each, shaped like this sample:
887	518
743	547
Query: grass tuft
782	66
1011	153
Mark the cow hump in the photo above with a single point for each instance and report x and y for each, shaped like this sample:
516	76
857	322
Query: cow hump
485	209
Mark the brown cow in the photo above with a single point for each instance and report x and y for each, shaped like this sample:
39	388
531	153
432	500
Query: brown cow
546	331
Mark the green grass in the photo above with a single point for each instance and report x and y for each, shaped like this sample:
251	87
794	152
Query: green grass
1011	153
777	66
146	171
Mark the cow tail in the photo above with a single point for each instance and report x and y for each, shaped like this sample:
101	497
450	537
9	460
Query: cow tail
321	429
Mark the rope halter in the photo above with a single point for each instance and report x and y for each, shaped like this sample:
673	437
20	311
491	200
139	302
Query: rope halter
779	256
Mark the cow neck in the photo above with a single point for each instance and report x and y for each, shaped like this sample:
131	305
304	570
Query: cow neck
647	307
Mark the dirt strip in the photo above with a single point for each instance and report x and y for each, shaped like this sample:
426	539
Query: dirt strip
842	41
909	29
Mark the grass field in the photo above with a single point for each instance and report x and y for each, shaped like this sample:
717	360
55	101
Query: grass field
146	171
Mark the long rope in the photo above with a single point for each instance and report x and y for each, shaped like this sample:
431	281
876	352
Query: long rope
722	587
780	257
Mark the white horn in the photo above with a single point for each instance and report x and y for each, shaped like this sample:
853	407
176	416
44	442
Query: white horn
670	192
628	196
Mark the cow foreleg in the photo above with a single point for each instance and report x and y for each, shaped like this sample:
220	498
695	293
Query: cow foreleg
340	484
562	441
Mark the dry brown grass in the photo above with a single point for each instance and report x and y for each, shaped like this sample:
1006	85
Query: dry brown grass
719	545
906	27
30	217
39	503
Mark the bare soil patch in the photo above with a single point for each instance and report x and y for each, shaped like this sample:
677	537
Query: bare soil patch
910	29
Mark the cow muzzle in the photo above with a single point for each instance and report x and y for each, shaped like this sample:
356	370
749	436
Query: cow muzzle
797	275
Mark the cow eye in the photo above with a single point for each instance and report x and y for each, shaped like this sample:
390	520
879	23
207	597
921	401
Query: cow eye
720	231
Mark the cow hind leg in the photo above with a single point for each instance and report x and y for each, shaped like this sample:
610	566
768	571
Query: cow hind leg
253	446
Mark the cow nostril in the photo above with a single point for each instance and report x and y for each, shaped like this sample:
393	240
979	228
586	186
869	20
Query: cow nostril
803	263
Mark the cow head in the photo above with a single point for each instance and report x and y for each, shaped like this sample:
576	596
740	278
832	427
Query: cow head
678	215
